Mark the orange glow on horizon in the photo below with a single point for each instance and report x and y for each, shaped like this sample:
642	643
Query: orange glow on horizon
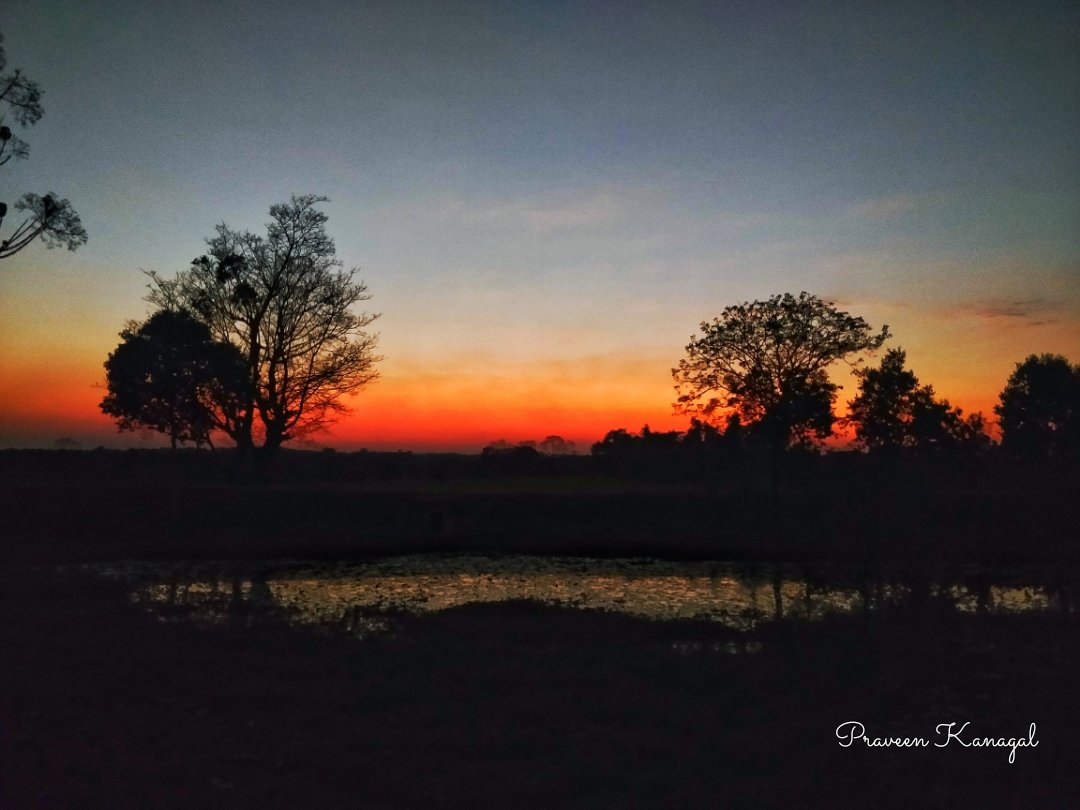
466	402
391	415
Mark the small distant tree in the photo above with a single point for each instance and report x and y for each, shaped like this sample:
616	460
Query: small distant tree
766	362
622	441
284	301
893	412
169	376
1039	411
556	446
49	217
613	442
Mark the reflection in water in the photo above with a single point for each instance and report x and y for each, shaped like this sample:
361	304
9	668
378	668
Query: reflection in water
357	596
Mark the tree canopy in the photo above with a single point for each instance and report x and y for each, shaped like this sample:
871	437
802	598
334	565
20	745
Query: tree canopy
1039	409
284	301
168	375
49	217
766	362
893	412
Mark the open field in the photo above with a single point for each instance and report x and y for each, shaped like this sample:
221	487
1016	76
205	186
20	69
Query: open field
92	520
100	505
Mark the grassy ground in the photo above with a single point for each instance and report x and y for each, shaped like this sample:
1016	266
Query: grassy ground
102	519
518	705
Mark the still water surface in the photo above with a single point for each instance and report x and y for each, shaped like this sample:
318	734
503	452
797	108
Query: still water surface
353	595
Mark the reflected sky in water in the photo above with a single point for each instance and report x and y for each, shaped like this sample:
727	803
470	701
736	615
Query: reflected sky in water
354	595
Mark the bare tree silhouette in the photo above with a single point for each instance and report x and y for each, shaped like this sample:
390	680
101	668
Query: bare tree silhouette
286	303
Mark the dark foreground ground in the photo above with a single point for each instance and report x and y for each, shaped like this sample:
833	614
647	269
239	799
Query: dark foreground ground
519	705
64	521
59	506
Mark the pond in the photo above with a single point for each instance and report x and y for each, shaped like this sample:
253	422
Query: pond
357	596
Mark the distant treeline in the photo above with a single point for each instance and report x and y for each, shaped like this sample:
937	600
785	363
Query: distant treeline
677	458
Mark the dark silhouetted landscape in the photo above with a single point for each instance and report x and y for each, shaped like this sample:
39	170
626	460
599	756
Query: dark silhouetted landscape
551	405
162	651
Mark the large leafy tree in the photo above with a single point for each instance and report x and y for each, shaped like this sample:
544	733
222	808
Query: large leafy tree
892	412
169	375
1039	411
767	363
48	216
285	302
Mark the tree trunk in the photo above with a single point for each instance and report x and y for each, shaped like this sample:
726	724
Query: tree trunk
264	458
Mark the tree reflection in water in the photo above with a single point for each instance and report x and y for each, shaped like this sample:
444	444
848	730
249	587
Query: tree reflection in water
357	596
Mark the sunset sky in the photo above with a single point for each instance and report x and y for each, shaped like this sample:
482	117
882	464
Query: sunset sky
547	198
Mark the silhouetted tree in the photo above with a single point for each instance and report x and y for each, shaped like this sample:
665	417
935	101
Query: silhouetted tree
767	362
893	412
168	375
703	452
286	303
881	413
936	424
556	446
621	440
1039	410
612	441
704	434
49	217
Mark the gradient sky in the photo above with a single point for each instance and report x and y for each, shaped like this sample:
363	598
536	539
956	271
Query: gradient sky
547	198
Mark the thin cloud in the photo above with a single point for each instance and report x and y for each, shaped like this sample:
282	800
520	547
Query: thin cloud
1033	312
